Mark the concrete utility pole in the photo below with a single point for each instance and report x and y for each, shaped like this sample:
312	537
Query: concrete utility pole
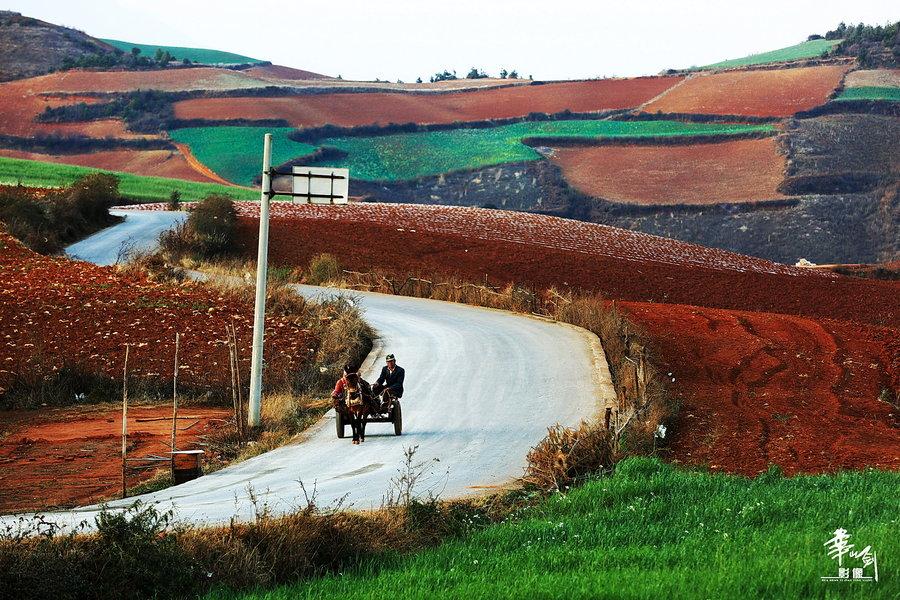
259	313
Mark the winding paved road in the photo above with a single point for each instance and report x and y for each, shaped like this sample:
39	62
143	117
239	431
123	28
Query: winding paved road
482	386
138	232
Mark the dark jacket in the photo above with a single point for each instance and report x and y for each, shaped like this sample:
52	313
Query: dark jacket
392	381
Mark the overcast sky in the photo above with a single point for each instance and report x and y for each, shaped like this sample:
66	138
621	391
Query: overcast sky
391	39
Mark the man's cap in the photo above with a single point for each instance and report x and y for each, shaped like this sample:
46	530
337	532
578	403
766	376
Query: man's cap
389	357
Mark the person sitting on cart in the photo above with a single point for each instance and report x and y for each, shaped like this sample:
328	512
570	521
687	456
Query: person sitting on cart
390	383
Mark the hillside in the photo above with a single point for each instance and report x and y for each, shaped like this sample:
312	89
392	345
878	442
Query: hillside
31	47
195	55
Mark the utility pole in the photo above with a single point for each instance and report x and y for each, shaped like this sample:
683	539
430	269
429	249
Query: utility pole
259	313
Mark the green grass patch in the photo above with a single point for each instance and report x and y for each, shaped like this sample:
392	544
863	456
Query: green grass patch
197	55
35	173
810	49
870	93
234	152
652	531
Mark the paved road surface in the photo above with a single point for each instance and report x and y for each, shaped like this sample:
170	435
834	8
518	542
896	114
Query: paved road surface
138	232
482	386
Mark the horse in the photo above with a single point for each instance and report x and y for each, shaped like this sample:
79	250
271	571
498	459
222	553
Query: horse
358	405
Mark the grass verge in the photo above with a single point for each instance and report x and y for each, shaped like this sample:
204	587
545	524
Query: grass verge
650	531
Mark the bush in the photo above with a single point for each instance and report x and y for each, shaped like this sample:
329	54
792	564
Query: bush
174	200
322	269
212	224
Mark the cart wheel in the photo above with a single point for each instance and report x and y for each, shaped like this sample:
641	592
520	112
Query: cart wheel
397	418
339	422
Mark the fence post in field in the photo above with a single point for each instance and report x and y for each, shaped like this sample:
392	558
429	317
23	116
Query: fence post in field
125	420
175	400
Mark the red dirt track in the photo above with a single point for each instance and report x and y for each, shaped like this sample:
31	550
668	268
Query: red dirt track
771	365
71	457
366	108
736	171
761	93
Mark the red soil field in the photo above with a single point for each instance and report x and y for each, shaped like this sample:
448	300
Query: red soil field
59	458
761	388
159	163
760	93
737	171
366	108
55	312
770	367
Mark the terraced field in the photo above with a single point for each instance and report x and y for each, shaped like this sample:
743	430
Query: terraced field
762	93
234	152
349	110
808	49
156	163
734	171
149	189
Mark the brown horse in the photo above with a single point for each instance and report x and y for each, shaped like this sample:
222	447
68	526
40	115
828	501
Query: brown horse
358	405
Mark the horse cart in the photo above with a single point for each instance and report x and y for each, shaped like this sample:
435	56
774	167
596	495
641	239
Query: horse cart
392	414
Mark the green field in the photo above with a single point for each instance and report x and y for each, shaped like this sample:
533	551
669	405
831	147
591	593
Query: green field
810	49
870	93
197	55
234	152
653	531
35	173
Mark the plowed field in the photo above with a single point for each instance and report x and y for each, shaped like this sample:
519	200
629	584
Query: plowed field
161	163
738	171
57	313
384	108
768	93
72	457
761	388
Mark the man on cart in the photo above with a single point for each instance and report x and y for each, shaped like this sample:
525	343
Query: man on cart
390	383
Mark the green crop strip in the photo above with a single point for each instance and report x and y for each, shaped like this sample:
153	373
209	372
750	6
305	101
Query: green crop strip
809	49
870	93
197	55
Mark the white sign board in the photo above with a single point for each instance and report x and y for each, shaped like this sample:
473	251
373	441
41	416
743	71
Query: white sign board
321	185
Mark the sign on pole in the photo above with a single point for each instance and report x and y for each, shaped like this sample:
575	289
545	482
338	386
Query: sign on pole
321	185
316	185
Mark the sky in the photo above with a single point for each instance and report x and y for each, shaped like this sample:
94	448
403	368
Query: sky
405	39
